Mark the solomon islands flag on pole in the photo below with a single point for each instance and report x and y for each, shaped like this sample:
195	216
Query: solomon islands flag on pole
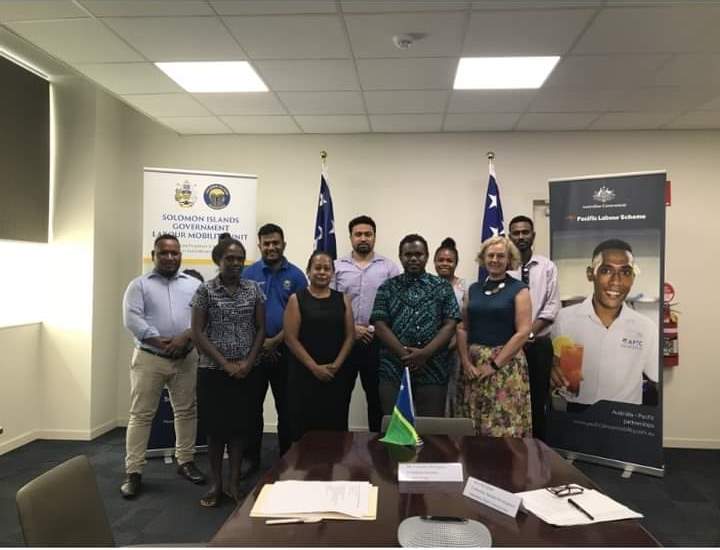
325	220
493	215
401	430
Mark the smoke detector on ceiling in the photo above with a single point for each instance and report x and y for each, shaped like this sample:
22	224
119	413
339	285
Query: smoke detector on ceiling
404	41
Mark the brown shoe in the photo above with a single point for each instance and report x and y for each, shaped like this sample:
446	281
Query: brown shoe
189	471
132	486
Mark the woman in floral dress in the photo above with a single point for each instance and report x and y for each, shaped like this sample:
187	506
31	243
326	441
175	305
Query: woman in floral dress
493	389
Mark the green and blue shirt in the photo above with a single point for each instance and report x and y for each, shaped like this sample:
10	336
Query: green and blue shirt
415	308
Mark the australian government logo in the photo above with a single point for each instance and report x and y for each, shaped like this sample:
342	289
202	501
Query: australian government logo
603	195
217	196
185	194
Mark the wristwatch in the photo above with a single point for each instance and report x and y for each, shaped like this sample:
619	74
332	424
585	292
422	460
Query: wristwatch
531	337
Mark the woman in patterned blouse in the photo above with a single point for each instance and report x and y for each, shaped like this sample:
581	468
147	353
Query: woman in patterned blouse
228	326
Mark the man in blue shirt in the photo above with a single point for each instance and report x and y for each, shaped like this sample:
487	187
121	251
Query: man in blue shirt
156	309
278	279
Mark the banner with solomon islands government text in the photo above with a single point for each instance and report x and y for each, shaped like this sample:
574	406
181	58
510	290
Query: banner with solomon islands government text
608	241
197	207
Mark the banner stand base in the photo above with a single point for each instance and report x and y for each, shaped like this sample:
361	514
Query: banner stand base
628	467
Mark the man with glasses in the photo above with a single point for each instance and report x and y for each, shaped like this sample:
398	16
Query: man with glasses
540	274
619	346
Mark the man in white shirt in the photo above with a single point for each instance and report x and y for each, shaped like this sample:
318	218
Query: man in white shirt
620	346
540	274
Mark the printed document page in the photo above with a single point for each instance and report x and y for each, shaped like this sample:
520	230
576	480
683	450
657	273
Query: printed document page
293	497
559	511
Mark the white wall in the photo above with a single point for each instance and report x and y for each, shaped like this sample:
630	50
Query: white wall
434	184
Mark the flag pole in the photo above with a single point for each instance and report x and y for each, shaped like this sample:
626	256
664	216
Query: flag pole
323	161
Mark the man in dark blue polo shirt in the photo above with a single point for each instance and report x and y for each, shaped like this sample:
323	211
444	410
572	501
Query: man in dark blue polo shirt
278	279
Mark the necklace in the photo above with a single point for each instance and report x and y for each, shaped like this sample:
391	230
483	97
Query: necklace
490	288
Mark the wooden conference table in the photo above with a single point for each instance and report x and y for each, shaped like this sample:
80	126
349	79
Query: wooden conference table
512	464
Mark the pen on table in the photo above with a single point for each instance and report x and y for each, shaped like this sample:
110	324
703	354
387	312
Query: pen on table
578	507
287	521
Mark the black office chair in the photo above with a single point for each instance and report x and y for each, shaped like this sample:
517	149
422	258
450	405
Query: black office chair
63	507
438	425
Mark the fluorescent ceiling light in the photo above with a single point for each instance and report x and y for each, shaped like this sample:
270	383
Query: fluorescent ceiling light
214	76
503	73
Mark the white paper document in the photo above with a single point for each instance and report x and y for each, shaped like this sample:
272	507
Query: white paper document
351	498
430	471
559	511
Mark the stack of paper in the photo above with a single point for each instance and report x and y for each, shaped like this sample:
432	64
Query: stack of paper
317	499
559	511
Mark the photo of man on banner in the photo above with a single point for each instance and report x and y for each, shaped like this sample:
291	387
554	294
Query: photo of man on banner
604	349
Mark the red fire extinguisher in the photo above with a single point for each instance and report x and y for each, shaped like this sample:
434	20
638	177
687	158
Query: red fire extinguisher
671	355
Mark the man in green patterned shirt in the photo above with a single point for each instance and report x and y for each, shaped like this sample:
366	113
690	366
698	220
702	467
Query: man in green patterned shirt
415	315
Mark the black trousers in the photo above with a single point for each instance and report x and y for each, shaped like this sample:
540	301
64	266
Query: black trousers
273	374
539	356
364	360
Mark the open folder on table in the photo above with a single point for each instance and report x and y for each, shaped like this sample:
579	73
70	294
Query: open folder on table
348	500
565	511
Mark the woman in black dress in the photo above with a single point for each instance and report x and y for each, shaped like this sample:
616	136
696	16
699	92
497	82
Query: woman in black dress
228	327
319	332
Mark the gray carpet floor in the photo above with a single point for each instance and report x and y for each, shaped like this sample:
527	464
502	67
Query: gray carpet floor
681	509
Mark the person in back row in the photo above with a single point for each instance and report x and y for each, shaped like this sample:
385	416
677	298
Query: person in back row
540	274
278	279
360	275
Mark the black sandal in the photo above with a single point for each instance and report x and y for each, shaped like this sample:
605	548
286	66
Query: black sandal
211	499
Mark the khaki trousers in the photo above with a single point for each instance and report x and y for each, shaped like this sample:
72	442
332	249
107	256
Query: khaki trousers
148	375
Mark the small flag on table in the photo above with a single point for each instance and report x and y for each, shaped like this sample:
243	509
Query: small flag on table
325	220
493	222
401	430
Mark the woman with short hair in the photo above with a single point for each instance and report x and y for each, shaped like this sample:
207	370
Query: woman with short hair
493	388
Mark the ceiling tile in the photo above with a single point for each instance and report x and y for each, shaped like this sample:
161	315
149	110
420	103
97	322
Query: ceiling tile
166	105
696	119
690	70
555	121
563	100
480	122
19	10
406	102
532	32
246	103
323	103
486	101
76	40
407	74
195	125
386	6
137	8
178	38
663	99
406	123
130	78
263	7
534	4
631	121
371	35
291	36
691	28
308	75
591	71
337	124
262	124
